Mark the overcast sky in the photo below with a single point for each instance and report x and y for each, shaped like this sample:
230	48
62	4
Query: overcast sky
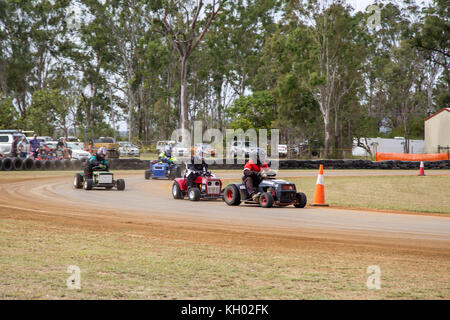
361	5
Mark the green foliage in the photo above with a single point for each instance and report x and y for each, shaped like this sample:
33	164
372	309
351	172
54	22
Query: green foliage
254	111
47	111
313	71
8	114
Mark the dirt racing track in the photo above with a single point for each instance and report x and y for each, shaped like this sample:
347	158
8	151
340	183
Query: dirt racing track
150	202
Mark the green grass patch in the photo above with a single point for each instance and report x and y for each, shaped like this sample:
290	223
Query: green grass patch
124	265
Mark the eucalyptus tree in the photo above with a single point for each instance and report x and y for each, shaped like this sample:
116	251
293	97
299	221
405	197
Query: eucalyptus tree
30	34
183	24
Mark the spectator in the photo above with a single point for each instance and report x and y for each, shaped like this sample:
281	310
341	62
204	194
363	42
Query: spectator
22	148
14	147
62	147
34	143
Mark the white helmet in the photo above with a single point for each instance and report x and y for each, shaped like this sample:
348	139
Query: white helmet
101	152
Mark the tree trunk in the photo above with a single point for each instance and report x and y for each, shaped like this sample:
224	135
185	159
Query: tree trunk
326	123
184	101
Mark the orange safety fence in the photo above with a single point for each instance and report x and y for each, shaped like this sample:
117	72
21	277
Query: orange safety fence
412	157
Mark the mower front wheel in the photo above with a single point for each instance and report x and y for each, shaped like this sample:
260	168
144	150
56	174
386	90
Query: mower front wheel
301	200
266	200
194	194
120	183
148	174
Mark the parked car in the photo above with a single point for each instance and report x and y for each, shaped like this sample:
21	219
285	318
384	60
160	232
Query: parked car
162	145
77	151
43	138
242	148
128	149
6	140
112	147
71	139
282	150
204	149
181	150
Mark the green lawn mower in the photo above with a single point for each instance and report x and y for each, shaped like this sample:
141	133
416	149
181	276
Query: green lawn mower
101	178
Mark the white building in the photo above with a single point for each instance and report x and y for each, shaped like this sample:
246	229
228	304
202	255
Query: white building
395	145
437	131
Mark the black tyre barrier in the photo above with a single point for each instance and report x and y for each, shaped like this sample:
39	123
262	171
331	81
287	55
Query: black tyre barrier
7	164
17	164
38	164
76	164
28	164
67	164
46	165
136	164
57	165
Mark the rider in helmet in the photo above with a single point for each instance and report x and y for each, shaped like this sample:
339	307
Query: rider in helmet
196	168
166	156
252	172
97	160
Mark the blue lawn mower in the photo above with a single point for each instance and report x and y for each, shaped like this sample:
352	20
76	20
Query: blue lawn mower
163	170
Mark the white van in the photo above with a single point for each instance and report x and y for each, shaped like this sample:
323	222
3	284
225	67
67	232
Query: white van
6	140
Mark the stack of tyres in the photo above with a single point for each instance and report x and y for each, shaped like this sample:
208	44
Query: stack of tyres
67	164
17	163
28	164
57	165
37	164
7	164
46	165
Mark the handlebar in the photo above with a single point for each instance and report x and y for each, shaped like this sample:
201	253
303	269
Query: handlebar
100	168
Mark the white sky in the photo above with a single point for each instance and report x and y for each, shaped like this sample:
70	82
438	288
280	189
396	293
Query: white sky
361	5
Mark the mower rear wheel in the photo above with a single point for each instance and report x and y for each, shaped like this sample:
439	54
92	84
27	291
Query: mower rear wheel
78	181
176	191
194	194
232	196
88	184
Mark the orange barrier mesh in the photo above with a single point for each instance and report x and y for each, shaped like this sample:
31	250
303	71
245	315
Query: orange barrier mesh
412	157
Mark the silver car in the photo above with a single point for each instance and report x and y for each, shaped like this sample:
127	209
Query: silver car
128	149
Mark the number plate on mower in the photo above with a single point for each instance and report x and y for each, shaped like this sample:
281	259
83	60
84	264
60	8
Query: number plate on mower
213	190
105	178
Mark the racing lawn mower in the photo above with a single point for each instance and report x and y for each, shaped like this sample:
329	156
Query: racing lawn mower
272	192
207	186
163	170
101	178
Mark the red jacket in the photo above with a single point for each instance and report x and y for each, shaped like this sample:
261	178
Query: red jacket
250	165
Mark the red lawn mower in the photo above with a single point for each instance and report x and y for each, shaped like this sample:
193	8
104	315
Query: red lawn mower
207	186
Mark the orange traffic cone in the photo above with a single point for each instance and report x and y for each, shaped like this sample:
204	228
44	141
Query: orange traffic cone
422	169
319	195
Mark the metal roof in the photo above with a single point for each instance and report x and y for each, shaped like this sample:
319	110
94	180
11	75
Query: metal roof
433	115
